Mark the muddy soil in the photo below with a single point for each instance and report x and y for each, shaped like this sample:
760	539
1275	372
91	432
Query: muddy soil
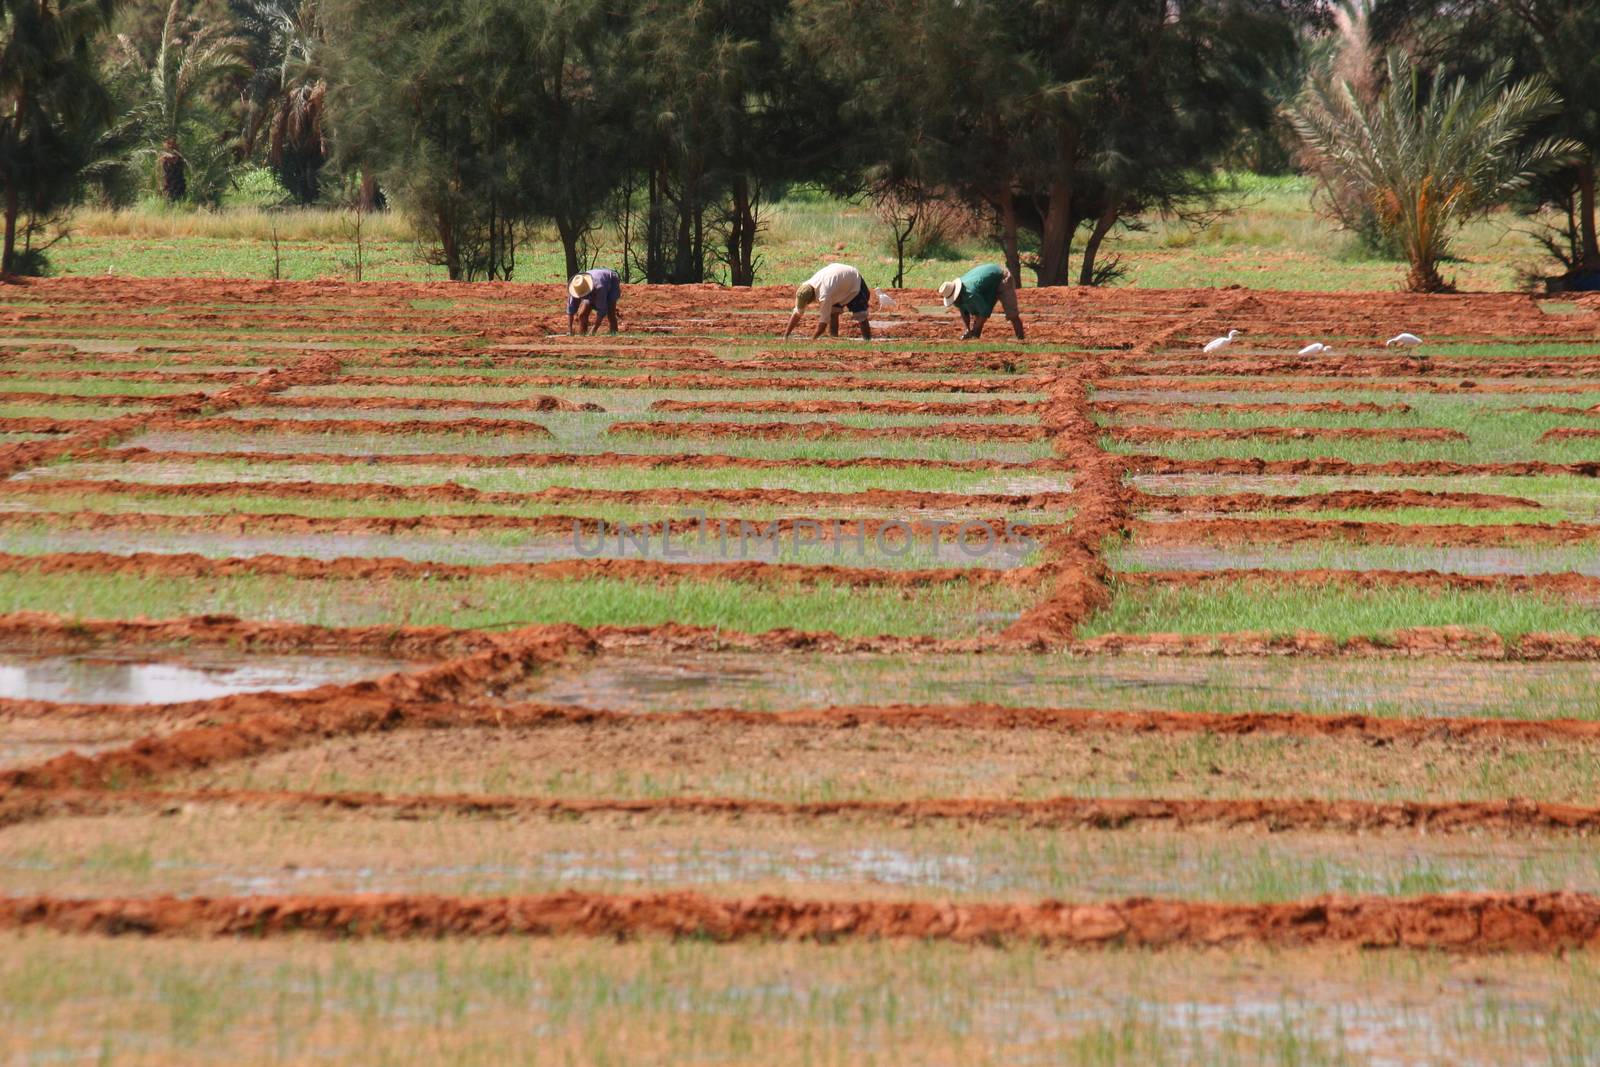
642	680
244	854
1523	922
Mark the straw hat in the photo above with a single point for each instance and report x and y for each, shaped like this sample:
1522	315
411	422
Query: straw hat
580	286
804	295
950	291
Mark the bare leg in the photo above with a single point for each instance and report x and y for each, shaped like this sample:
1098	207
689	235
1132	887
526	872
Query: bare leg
1008	302
612	317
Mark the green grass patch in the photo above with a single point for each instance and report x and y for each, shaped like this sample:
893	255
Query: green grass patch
1341	612
799	477
952	610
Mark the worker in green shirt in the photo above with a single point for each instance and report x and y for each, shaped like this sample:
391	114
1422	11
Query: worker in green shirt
974	293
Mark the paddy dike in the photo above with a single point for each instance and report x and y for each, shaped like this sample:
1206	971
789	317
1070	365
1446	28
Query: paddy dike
1522	922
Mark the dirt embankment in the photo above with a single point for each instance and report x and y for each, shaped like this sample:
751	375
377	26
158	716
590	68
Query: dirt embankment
191	565
251	724
101	434
566	459
1095	813
1570	433
1147	434
1346	468
685	532
1298	531
721	382
375	427
1574	586
451	492
1339	500
957	431
1138	407
1483	922
44	632
109	400
1076	573
1448	642
1253	384
384	403
1458	367
838	407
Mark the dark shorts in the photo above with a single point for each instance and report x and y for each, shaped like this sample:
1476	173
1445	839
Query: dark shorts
858	306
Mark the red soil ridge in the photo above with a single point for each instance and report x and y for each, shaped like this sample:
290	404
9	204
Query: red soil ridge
959	431
1295	531
1575	586
1339	500
192	565
1145	434
563	459
1338	467
866	407
712	530
452	492
1139	407
1096	813
1467	923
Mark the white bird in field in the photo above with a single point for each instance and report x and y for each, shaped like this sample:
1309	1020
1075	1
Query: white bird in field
1218	344
885	300
1317	348
1408	340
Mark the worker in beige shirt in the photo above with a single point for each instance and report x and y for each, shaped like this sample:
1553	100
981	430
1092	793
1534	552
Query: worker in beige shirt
835	288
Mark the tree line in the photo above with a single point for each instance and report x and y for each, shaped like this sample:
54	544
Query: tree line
675	123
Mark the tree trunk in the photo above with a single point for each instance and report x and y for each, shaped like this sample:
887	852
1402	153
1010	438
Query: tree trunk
368	201
1102	226
1055	243
1590	258
1008	235
570	233
9	257
174	180
450	251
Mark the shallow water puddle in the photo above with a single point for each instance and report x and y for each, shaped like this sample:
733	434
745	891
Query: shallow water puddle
669	681
102	678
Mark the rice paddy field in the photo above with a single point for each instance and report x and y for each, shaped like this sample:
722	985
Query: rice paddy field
387	677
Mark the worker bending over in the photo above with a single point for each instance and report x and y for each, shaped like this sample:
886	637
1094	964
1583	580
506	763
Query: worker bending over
974	293
835	288
596	292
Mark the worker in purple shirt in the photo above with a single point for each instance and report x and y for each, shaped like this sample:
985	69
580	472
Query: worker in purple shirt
596	291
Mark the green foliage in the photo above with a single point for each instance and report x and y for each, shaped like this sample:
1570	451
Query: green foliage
286	94
1428	158
1055	116
53	111
180	129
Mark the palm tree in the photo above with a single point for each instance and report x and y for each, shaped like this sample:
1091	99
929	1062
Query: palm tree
287	92
174	86
1428	160
52	106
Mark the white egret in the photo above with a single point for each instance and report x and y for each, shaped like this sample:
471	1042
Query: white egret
885	300
1407	340
1220	343
1317	349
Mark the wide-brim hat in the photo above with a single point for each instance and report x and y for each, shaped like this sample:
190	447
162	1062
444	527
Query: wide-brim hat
580	286
950	291
804	295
